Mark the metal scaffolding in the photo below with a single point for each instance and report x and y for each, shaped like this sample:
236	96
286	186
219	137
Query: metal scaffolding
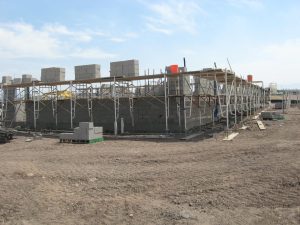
202	97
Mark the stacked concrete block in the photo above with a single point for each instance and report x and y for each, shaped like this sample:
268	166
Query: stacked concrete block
271	115
6	80
53	74
129	68
179	85
85	132
17	81
26	78
203	86
87	72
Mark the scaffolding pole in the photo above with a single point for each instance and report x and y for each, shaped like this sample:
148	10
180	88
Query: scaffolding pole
166	104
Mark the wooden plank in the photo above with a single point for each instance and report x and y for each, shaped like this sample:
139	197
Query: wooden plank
261	125
230	137
191	136
255	117
244	127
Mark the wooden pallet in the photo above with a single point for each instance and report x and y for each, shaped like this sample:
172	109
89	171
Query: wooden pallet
71	141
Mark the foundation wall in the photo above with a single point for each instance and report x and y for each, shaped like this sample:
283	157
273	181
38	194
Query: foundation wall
148	115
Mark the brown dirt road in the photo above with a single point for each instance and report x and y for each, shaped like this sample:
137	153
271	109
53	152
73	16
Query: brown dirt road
254	179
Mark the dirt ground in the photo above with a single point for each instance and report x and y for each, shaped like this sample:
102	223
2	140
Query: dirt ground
254	179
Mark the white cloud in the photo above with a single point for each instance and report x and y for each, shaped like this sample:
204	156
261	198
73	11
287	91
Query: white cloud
277	62
173	15
123	38
22	40
58	29
91	53
246	3
117	39
19	40
158	29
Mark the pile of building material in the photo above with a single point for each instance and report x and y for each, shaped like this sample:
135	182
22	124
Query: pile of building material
271	115
53	74
129	68
87	72
5	136
26	78
6	80
86	133
17	81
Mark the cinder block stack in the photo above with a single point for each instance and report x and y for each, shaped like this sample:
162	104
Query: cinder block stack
85	133
17	81
129	68
86	72
26	78
203	86
6	80
53	74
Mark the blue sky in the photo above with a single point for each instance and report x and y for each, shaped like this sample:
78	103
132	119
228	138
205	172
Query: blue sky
260	37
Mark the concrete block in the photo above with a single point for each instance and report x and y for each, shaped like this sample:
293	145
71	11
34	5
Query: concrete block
26	78
98	130
53	74
86	72
128	68
76	135
86	125
6	80
17	81
66	136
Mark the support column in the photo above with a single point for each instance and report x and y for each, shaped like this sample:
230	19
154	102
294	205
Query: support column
71	105
227	102
115	108
235	101
166	104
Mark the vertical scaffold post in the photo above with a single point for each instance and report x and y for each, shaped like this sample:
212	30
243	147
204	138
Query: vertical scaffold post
242	99
227	101
34	106
166	104
235	101
115	108
2	105
71	105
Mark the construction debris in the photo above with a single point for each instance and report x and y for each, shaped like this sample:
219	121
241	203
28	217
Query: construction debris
230	137
189	137
244	127
261	125
271	115
5	136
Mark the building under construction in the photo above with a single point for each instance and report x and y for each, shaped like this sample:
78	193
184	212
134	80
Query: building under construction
177	101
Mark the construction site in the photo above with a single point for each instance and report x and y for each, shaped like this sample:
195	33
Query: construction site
178	147
176	101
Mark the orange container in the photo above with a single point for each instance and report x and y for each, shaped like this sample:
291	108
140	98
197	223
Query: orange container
249	78
174	69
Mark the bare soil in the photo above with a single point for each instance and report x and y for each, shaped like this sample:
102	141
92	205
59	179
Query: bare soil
254	179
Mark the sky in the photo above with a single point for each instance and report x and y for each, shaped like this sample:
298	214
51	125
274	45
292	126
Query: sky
259	37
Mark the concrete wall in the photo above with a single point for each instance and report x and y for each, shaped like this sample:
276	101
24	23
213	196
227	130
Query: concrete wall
148	115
